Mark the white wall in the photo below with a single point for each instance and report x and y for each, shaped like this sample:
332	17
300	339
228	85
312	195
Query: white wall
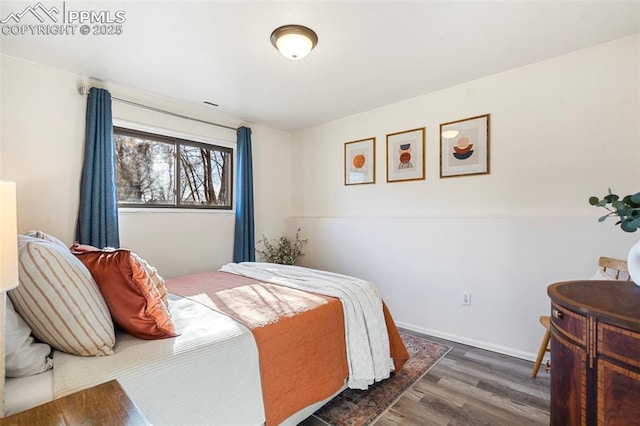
42	147
561	130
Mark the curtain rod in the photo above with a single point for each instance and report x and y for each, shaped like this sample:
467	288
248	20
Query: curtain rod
84	91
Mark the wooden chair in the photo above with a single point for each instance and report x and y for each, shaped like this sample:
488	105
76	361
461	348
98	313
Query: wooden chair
608	265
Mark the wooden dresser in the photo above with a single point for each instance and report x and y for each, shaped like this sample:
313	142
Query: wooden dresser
595	351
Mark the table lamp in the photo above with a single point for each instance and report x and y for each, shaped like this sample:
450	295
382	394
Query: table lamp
8	261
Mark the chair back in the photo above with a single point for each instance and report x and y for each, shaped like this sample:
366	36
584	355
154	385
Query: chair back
617	266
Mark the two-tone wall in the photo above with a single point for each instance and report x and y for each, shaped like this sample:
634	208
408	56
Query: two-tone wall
561	131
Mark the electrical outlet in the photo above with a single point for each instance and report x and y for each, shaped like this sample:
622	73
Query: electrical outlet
465	298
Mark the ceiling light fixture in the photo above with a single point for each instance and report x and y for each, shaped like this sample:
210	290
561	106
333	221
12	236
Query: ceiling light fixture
294	41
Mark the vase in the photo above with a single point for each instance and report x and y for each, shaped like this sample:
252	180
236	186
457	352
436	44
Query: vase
633	263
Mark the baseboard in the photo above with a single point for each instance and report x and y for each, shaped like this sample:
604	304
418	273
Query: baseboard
528	356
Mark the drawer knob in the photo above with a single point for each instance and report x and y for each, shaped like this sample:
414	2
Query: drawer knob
557	314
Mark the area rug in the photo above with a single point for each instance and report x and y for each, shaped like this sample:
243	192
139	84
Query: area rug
361	408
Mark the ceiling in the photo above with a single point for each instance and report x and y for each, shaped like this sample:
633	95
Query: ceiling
369	54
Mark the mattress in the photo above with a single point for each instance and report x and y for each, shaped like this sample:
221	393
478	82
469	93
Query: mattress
210	374
27	392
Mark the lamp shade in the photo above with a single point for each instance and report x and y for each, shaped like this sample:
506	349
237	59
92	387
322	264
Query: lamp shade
8	237
294	41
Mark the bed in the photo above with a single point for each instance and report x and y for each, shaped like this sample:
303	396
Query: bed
247	349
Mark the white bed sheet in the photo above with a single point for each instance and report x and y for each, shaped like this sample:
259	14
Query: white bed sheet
22	393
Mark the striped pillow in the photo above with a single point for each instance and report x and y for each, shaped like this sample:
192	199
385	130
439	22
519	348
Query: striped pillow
60	301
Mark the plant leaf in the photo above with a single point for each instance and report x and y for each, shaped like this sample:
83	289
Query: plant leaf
628	226
635	223
626	209
621	208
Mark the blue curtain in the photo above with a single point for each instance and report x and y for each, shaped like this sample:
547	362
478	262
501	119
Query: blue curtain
98	213
244	241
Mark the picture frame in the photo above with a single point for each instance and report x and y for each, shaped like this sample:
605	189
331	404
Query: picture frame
360	162
406	155
464	147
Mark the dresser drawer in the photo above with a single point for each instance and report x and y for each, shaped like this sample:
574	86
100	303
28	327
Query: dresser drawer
569	323
619	344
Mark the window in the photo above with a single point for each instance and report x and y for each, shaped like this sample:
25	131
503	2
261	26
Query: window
161	171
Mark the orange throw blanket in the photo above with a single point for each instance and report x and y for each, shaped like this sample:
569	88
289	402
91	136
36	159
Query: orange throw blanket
300	336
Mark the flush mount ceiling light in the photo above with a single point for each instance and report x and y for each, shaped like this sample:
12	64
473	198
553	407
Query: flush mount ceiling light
294	41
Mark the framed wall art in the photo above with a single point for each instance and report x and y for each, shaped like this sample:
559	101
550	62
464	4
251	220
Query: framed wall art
360	162
464	147
405	155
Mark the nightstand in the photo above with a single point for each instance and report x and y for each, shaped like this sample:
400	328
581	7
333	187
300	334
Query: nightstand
105	404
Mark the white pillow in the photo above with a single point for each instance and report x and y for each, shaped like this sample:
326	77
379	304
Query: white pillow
23	356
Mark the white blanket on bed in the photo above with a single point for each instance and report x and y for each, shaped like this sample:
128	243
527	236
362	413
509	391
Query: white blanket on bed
367	340
209	374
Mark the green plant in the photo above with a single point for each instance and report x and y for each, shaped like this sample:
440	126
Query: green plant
627	209
281	251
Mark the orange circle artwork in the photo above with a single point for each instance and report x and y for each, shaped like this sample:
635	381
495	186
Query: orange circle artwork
358	161
405	157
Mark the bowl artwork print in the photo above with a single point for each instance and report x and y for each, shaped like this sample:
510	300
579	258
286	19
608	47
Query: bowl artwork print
404	155
463	149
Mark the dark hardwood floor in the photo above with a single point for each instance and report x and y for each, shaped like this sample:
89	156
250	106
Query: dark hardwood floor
472	386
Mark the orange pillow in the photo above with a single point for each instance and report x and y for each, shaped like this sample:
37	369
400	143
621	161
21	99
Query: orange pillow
156	279
133	299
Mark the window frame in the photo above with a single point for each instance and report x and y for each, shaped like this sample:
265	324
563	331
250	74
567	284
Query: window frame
177	141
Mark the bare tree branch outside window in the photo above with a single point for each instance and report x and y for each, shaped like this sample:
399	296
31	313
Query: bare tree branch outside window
147	164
